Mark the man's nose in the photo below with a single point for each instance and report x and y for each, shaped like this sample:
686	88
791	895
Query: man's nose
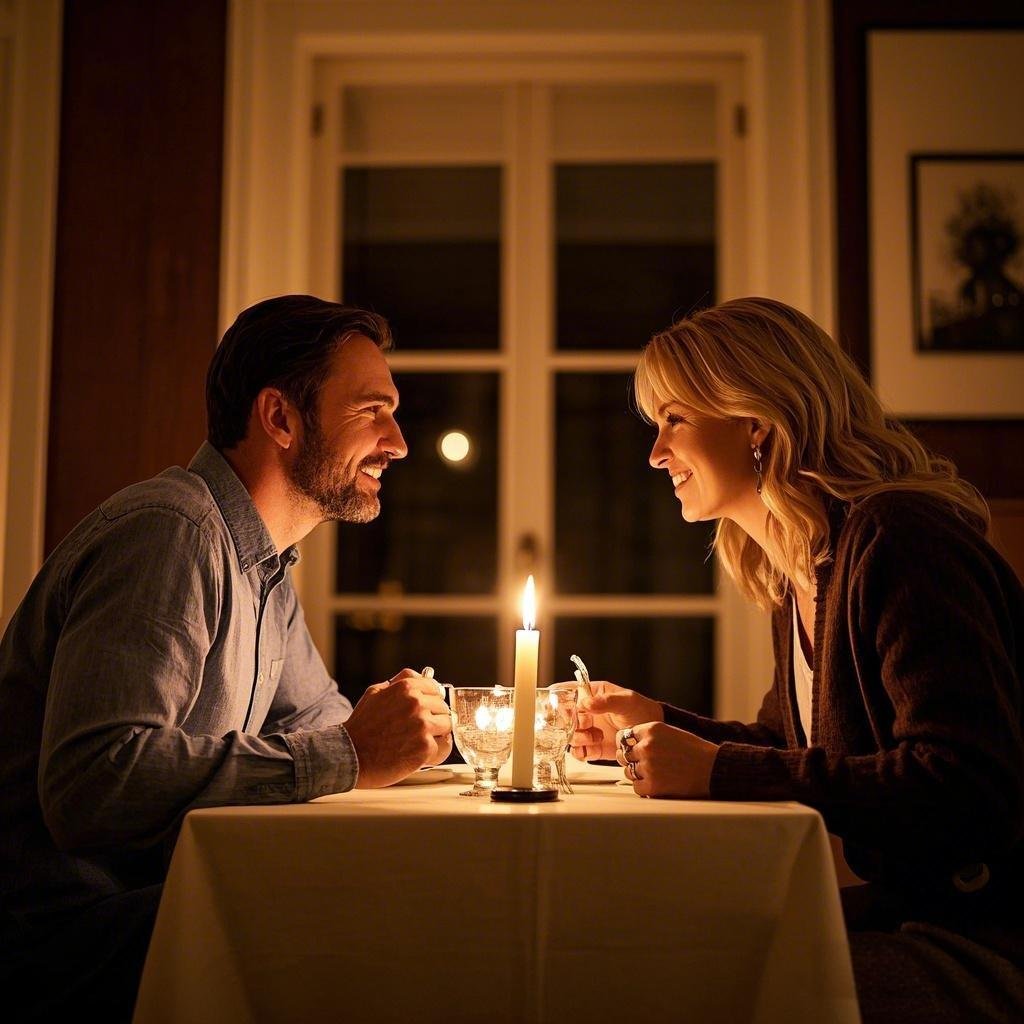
394	442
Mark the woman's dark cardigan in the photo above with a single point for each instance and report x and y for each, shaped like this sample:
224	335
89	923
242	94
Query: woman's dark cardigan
916	756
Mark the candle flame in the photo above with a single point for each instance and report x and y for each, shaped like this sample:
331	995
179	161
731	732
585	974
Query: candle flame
529	604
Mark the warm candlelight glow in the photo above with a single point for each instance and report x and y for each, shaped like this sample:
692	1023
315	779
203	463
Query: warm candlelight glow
529	604
525	699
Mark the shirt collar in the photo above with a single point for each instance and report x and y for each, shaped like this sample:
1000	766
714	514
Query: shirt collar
253	544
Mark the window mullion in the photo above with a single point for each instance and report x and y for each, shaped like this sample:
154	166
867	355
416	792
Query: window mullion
527	433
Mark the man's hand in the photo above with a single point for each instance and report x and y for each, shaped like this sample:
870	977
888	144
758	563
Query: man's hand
600	717
399	726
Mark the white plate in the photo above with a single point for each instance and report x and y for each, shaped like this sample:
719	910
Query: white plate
427	775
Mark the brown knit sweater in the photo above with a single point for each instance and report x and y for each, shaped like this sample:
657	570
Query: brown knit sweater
916	756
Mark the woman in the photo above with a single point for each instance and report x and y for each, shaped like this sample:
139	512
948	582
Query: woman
896	707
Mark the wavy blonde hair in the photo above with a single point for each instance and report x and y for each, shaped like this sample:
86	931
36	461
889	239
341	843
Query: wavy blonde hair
830	436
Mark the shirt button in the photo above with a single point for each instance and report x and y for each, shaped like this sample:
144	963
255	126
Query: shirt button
259	678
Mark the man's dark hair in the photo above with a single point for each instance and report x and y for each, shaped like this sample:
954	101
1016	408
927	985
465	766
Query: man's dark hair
286	342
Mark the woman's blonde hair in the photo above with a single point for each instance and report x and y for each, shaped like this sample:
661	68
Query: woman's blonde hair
829	436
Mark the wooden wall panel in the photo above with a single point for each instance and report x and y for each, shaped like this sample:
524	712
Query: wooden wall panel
138	244
987	452
1008	532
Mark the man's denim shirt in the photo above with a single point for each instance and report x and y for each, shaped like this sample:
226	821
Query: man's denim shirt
159	662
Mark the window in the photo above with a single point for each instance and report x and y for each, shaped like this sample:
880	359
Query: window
525	228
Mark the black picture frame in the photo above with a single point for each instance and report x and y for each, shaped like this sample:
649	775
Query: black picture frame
967	251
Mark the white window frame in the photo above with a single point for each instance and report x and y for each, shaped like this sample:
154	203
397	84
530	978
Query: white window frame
526	368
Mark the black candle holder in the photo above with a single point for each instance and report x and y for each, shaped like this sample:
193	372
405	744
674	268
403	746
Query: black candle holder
523	795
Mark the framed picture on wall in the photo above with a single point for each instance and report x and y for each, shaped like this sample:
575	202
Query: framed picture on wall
945	186
967	241
911	79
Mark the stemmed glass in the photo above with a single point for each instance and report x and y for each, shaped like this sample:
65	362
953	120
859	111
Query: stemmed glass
553	729
482	718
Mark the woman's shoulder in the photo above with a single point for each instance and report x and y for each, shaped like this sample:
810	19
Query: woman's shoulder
916	528
908	526
899	511
896	544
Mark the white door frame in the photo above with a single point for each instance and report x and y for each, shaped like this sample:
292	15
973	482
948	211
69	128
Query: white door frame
30	64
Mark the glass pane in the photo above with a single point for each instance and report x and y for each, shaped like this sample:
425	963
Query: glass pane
618	527
372	646
617	118
437	531
382	121
669	659
421	245
635	250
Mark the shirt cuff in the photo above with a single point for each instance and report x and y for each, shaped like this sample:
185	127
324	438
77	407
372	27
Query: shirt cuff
325	762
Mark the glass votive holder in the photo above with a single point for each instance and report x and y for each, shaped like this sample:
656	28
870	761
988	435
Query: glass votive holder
553	727
482	719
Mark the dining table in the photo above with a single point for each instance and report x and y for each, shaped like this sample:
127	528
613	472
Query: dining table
416	903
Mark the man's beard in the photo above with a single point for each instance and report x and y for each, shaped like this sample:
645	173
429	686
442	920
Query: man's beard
316	477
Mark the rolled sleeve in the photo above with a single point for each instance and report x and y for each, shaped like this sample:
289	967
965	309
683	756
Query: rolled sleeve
325	762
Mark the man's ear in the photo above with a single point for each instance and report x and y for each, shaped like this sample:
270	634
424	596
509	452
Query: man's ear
275	417
759	430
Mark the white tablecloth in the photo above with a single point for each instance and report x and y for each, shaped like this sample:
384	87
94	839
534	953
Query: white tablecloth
416	904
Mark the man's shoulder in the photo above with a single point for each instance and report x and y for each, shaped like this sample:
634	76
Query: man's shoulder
175	492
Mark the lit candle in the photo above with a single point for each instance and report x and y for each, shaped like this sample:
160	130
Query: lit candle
525	698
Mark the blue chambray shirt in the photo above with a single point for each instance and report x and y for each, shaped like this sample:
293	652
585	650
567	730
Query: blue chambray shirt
159	662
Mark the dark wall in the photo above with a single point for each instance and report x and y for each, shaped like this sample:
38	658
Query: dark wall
987	452
138	244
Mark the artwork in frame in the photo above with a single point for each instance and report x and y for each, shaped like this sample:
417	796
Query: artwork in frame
967	239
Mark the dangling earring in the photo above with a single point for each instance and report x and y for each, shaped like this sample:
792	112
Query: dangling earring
758	471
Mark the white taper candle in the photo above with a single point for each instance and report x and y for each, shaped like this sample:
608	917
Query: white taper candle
525	696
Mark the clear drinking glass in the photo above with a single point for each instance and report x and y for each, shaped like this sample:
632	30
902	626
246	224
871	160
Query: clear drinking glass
553	729
482	718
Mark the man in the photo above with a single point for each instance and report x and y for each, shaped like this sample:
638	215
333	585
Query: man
161	662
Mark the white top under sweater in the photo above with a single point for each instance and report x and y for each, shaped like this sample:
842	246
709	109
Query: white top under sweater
803	677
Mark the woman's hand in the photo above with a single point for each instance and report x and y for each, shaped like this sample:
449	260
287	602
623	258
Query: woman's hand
601	716
661	760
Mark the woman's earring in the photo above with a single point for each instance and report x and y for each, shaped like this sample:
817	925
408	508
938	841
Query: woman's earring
758	471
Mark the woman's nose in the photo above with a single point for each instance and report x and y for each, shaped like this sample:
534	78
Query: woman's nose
659	453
